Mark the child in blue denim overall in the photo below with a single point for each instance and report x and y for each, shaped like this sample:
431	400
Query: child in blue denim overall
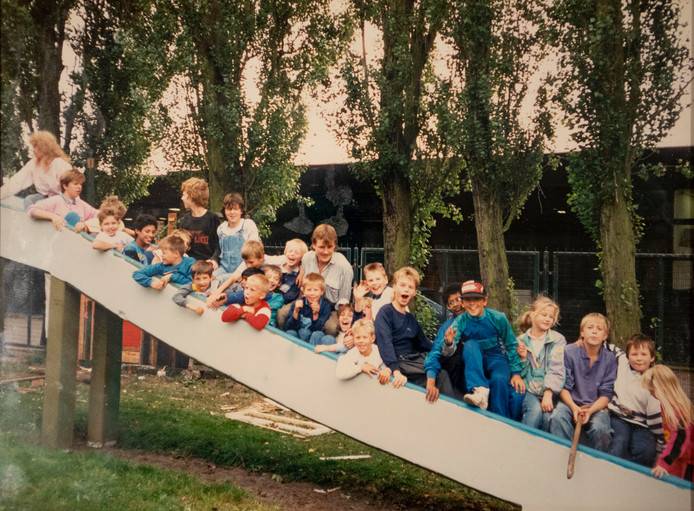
232	234
489	353
541	351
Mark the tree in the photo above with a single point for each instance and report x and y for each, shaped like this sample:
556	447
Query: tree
622	71
244	142
388	121
126	56
497	48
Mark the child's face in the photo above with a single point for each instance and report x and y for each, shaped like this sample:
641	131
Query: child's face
202	281
109	225
404	291
543	319
254	262
324	251
73	189
293	256
273	278
363	340
455	304
253	292
640	358
376	281
474	306
170	256
594	332
146	235
345	320
233	214
312	291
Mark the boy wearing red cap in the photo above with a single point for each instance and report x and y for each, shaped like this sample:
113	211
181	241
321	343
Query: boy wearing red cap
489	353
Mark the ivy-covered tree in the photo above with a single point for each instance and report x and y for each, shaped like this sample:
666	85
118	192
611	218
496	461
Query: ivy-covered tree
126	61
244	141
623	68
497	49
388	122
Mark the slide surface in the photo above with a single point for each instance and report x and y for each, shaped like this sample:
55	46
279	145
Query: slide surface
474	447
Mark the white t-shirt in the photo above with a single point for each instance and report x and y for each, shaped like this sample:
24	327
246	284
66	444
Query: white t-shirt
250	229
118	237
46	181
350	364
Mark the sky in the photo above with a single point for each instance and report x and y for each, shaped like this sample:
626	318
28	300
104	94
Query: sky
322	147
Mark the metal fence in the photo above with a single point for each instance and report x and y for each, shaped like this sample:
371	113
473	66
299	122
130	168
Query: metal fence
570	278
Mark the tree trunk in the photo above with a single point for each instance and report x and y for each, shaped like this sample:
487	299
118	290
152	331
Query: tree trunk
217	174
397	220
618	267
491	247
50	23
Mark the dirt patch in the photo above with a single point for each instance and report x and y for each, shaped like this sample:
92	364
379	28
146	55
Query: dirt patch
269	488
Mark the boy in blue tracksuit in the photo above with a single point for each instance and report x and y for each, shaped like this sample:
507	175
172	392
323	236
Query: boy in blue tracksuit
308	314
489	353
174	268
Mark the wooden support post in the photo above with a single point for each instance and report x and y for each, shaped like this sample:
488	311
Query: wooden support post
61	365
104	388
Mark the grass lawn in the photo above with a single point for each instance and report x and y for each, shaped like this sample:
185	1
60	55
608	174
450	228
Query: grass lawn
184	418
32	477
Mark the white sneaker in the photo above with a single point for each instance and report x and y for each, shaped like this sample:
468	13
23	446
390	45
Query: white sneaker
478	398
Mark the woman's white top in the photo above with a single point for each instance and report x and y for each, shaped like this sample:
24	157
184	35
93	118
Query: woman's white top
46	181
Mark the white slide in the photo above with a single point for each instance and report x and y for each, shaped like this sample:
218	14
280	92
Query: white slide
474	447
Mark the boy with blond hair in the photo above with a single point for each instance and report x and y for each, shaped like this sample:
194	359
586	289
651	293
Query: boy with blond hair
307	315
294	251
174	267
401	340
364	356
373	292
255	309
199	221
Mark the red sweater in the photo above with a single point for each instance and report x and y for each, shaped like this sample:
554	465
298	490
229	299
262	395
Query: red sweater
676	458
258	320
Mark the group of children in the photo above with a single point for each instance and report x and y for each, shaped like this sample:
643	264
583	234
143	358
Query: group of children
626	405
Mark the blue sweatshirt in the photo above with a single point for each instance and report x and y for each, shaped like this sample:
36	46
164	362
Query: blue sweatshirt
326	309
398	335
491	330
180	273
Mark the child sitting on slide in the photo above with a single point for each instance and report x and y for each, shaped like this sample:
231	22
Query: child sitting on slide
254	310
345	336
373	292
637	426
677	458
541	351
66	208
308	314
174	267
111	237
203	283
591	370
364	356
142	248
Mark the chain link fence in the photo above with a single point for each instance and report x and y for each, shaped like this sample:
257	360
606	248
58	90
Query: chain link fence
570	278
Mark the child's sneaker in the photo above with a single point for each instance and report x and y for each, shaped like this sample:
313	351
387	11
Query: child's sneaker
479	398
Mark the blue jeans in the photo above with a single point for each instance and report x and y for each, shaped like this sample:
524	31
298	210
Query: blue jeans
632	442
490	369
313	338
533	415
598	430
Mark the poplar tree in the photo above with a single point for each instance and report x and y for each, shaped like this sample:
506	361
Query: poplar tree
623	68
